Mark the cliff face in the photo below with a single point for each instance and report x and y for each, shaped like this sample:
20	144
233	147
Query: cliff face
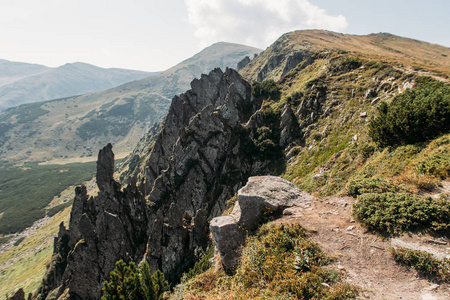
200	158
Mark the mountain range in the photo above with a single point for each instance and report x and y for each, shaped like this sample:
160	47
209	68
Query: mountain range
74	127
27	83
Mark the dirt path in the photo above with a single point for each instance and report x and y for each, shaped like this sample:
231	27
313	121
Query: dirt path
365	258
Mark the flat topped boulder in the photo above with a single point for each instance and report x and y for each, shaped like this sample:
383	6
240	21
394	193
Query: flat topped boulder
261	195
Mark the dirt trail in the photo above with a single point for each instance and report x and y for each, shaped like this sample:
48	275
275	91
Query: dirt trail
365	258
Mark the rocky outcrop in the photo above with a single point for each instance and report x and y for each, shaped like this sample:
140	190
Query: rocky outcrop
288	126
101	231
200	158
243	63
105	168
18	294
263	196
284	62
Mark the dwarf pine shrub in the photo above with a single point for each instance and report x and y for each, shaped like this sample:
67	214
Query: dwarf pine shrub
417	115
392	213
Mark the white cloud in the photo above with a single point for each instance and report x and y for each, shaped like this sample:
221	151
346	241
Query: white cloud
256	22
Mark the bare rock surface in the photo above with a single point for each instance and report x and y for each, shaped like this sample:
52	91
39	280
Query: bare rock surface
262	195
105	167
398	243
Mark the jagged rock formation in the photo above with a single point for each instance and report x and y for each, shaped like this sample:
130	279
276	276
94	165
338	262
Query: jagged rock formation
18	294
262	197
200	159
243	63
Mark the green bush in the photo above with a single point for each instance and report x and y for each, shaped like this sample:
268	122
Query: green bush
392	213
266	88
128	282
359	186
282	259
268	135
423	262
417	115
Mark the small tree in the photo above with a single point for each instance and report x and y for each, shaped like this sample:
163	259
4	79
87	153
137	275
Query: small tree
127	282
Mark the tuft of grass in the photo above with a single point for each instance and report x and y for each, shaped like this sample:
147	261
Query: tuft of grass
200	266
392	213
423	262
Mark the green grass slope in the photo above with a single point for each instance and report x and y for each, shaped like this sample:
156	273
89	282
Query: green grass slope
23	264
335	85
408	54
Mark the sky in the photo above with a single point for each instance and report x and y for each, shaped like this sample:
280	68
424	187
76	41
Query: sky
155	35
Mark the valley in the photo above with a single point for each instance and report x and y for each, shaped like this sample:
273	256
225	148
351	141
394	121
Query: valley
358	122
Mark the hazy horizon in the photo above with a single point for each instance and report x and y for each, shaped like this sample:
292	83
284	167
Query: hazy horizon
154	36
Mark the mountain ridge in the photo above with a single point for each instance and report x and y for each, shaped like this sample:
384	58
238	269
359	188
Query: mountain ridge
29	83
74	127
380	46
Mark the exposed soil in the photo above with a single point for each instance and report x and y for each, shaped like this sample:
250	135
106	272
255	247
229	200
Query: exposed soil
364	257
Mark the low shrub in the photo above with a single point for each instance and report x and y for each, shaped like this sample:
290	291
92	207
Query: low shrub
392	213
417	115
266	88
359	186
278	262
423	262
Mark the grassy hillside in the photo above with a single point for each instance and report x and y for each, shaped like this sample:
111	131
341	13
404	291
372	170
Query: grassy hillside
23	264
336	87
78	127
403	53
368	124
